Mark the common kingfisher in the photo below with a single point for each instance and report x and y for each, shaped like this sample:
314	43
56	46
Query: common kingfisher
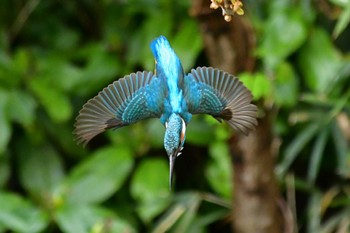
172	96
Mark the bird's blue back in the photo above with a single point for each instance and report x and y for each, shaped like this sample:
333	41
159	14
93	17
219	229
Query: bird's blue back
170	71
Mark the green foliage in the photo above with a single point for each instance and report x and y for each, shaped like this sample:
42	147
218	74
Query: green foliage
304	69
20	215
151	189
97	178
55	55
218	171
320	62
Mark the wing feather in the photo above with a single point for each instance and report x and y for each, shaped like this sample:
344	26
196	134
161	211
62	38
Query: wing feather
215	92
122	103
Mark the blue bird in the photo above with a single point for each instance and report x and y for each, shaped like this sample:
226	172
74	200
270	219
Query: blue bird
172	96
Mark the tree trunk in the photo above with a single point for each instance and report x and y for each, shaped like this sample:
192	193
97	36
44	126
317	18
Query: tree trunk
256	195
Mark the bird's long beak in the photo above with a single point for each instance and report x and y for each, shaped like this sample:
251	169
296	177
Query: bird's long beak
171	169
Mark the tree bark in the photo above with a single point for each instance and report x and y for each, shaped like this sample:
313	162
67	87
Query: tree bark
256	196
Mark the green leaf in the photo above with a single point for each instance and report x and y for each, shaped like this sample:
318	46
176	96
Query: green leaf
285	86
9	75
41	169
320	62
5	132
55	102
98	177
21	61
336	221
203	221
199	132
284	33
314	212
58	72
316	155
187	50
155	133
342	149
257	83
22	107
149	209
219	169
295	147
86	218
180	215
150	186
343	20
19	215
191	202
101	69
140	52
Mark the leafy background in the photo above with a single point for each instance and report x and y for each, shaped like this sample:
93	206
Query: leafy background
55	55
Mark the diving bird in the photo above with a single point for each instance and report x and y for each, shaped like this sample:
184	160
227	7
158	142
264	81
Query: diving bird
172	96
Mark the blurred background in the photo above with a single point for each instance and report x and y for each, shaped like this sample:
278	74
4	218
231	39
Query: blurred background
290	175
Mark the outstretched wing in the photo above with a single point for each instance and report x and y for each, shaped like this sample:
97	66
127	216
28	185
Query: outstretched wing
130	99
220	94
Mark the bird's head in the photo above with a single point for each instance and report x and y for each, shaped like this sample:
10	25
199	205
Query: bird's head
175	134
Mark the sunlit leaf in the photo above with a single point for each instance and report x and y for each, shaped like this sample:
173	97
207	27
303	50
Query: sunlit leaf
333	222
86	218
192	203
180	215
344	18
99	176
284	33
219	170
150	186
19	215
41	169
285	86
257	83
149	209
314	212
22	107
55	102
320	62
222	133
171	216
